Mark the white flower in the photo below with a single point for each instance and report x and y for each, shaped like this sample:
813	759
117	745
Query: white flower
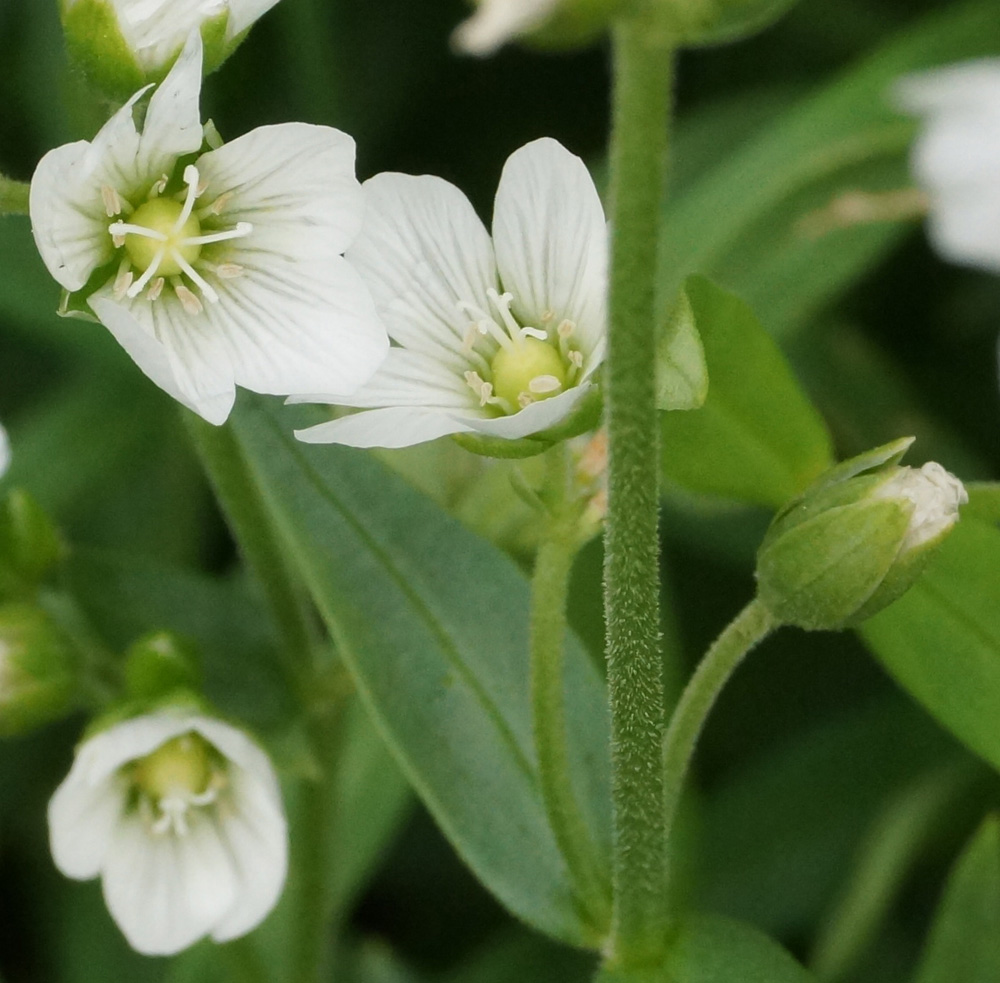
181	816
496	22
226	270
956	158
4	451
155	30
499	338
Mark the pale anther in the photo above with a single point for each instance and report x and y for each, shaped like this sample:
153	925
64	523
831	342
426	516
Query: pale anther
112	201
544	384
566	328
525	399
122	281
155	288
188	300
229	271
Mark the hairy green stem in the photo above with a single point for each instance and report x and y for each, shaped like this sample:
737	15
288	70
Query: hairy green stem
13	196
258	543
643	72
748	628
549	590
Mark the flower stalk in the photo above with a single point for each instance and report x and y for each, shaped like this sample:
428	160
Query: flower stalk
13	196
643	70
549	590
750	627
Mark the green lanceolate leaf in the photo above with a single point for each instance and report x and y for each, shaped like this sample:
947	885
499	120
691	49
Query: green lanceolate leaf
712	949
431	621
780	221
964	943
681	373
941	640
757	438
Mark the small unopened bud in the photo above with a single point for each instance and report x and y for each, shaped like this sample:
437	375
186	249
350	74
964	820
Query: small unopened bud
124	44
856	540
160	664
37	676
30	547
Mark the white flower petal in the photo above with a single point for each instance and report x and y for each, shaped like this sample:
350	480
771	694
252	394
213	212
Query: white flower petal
496	22
535	417
421	250
294	182
173	349
165	892
255	835
173	120
288	327
964	226
405	378
67	219
242	13
551	239
83	819
951	87
394	426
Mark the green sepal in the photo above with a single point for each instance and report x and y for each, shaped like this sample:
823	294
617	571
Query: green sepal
37	667
160	663
681	370
818	574
30	547
878	457
585	417
97	46
706	22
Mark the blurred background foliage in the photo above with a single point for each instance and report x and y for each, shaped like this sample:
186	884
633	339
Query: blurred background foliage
829	807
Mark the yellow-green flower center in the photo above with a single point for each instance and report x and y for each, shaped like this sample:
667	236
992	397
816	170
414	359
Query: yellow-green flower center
160	215
527	370
180	768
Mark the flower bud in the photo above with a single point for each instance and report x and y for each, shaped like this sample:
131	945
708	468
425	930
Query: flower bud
30	547
37	677
856	540
158	665
124	44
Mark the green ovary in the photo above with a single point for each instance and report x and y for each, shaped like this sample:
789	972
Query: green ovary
183	765
516	365
161	215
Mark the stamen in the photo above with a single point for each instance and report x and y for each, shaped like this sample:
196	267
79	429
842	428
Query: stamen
525	399
547	316
188	300
123	280
137	287
217	207
242	229
155	288
576	358
479	386
544	384
208	292
229	271
566	327
158	187
112	201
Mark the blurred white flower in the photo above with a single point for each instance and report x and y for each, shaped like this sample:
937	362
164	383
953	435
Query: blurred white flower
155	30
181	816
956	158
499	338
4	451
226	270
496	22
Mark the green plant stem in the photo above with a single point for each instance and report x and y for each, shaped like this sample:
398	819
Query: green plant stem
549	590
13	197
251	526
643	72
746	630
